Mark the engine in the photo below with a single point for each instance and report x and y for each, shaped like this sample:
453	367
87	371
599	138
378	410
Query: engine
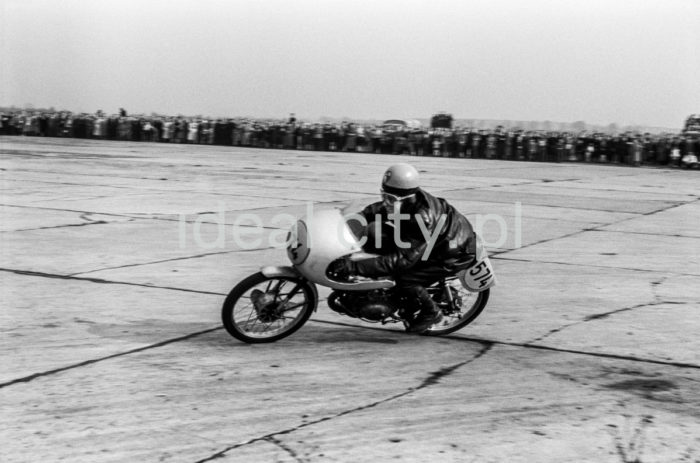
372	306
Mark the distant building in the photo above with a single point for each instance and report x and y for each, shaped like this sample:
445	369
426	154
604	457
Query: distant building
397	124
441	120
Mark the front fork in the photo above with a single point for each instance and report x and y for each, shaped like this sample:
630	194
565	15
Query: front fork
448	293
446	298
292	273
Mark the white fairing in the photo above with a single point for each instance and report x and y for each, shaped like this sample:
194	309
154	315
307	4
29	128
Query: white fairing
320	238
479	276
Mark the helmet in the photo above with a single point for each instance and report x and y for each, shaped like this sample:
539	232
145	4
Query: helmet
400	179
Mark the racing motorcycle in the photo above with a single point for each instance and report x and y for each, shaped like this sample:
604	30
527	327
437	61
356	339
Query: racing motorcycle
275	302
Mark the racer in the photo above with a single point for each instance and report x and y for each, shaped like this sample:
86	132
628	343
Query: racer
421	240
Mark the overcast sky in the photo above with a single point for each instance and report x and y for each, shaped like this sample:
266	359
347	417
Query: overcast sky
602	61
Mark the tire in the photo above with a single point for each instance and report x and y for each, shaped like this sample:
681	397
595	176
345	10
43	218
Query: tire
264	321
457	321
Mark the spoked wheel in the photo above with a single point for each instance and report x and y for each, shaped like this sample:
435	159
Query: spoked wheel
267	309
459	307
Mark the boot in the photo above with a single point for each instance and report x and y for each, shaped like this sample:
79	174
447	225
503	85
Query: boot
429	314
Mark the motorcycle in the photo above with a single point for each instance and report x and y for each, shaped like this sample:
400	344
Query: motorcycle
275	302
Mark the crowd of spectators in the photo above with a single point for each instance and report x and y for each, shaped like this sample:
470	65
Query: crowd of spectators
459	142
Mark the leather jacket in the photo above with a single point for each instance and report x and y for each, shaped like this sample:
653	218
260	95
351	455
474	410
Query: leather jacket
455	237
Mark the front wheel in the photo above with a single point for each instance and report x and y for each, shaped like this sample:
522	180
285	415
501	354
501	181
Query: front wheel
267	309
459	308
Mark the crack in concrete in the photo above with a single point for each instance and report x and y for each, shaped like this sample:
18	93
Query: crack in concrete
102	281
97	222
91	174
141	187
655	286
600	316
496	256
591	354
529	345
568	235
148	216
145	187
672	235
158	215
286	448
547	240
631	453
432	379
197	256
578	208
473	188
598	227
34	376
87	217
325	203
161	216
111	214
697	199
486	342
676	203
657	301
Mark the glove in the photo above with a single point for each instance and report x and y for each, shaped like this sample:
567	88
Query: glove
342	269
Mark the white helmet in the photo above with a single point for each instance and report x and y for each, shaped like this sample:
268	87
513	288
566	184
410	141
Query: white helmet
400	179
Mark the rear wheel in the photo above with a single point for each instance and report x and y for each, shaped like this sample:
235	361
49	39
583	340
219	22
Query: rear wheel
266	309
459	307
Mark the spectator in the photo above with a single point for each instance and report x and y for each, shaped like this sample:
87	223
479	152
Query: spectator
99	128
476	145
5	123
629	148
206	132
193	131
135	127
147	130
350	135
167	131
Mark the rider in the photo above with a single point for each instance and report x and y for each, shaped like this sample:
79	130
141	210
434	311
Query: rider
421	238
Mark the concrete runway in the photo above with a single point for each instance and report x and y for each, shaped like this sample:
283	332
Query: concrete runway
113	350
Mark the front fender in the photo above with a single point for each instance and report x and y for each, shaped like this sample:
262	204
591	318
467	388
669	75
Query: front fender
285	271
272	271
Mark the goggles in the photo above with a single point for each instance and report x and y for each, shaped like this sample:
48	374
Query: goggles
390	198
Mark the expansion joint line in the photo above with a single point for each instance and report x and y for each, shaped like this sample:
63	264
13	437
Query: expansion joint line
102	281
29	378
597	227
544	347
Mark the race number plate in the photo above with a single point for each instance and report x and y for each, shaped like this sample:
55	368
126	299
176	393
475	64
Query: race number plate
479	276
